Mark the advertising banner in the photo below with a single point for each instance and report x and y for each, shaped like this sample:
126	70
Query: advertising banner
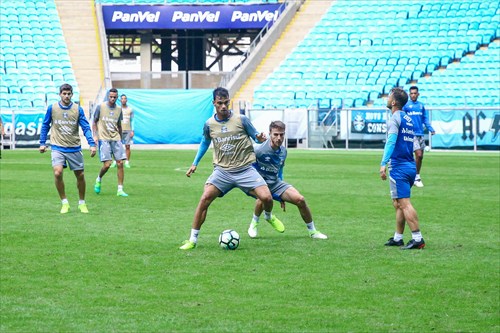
463	129
26	126
196	17
369	122
455	129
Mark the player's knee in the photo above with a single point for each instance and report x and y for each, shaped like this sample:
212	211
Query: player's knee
266	198
300	201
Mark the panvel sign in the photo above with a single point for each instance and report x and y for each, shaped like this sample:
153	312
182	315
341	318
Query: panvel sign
191	17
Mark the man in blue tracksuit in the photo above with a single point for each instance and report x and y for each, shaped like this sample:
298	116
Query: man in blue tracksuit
398	156
417	112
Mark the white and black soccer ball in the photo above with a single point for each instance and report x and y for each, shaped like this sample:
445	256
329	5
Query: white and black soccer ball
229	239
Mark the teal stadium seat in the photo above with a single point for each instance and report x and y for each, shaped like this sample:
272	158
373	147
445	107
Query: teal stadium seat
28	27
447	31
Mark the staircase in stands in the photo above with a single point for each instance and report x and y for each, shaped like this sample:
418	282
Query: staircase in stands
299	27
80	31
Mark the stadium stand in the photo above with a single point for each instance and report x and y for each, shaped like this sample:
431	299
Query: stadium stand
181	2
359	50
355	54
34	59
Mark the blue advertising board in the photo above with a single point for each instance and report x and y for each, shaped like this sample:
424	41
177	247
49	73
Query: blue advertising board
369	121
197	17
25	126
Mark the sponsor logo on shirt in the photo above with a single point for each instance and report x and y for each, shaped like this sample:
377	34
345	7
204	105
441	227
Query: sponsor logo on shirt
227	147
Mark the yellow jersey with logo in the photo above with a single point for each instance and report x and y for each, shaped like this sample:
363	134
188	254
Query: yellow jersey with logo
127	118
232	146
64	130
107	120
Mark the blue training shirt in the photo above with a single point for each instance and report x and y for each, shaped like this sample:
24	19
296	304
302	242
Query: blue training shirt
417	112
270	162
402	125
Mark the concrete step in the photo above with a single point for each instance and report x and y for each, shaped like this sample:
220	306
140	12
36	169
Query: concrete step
305	19
79	27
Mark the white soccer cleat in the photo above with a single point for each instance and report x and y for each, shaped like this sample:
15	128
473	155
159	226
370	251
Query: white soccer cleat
252	229
317	235
418	183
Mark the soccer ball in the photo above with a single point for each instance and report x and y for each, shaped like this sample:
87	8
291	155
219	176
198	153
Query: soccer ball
229	239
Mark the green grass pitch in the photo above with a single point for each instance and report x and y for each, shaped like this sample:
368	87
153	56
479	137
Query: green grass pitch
119	269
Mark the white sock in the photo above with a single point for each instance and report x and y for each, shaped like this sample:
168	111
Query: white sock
267	215
416	235
194	236
255	218
64	201
398	237
417	176
310	226
120	187
98	179
81	202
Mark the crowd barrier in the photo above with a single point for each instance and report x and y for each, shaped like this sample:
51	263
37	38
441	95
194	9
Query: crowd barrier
472	129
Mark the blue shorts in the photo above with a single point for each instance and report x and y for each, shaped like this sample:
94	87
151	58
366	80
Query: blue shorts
277	188
401	180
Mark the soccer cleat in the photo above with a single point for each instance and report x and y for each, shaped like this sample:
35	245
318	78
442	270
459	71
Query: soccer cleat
418	183
276	224
83	208
392	242
317	235
414	245
120	193
127	164
97	187
187	245
113	165
65	208
252	229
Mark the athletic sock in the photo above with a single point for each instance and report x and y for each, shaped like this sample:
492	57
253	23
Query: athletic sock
397	237
310	226
81	202
267	215
120	187
416	235
64	201
255	218
194	236
98	179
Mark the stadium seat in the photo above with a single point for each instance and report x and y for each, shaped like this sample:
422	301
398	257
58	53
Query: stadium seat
377	54
33	26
